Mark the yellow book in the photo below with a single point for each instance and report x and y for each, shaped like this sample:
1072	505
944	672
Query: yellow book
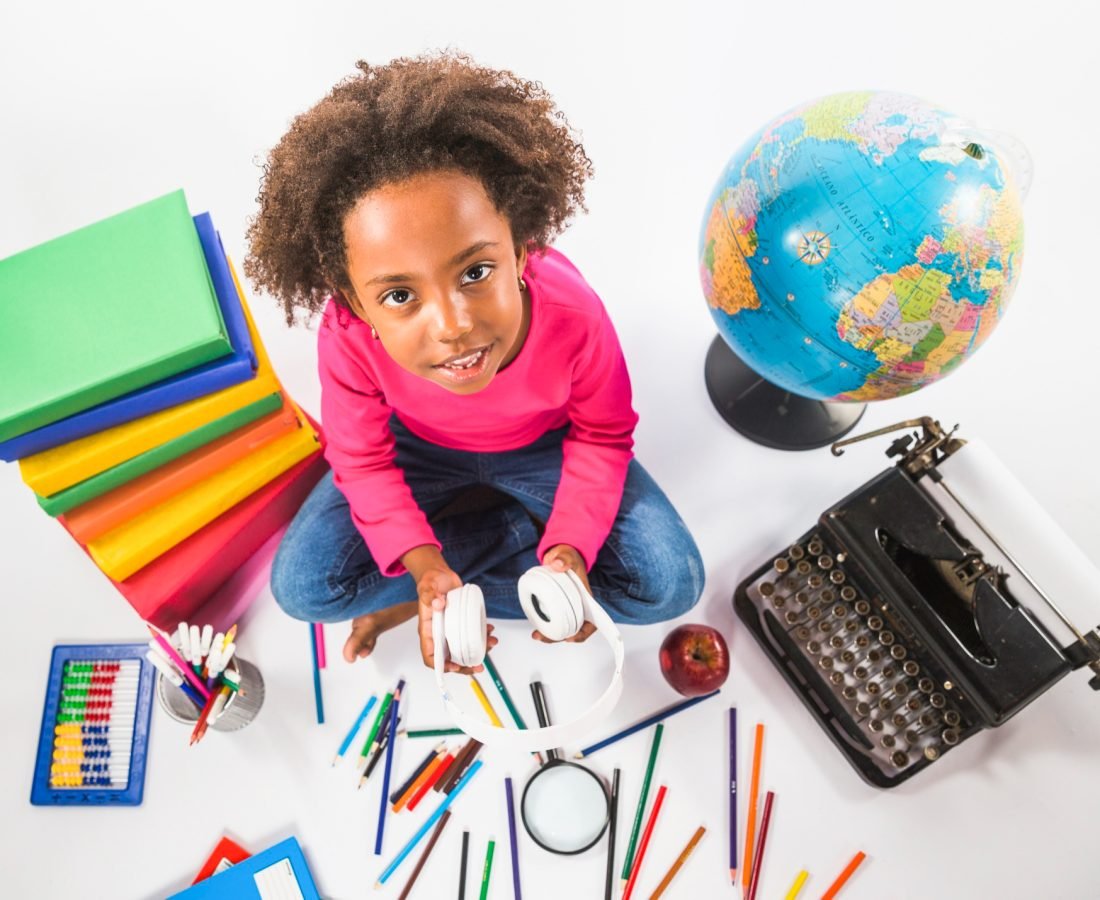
136	543
61	467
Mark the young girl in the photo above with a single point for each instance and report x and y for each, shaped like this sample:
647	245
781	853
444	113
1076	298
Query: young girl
413	208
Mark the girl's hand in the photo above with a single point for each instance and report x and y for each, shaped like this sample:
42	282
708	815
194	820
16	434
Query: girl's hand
434	578
559	558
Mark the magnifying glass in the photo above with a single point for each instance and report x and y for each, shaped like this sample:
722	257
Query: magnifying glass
565	807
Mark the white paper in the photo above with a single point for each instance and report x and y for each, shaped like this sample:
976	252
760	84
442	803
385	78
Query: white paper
278	882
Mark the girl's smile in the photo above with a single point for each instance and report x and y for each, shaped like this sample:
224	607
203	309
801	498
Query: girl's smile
434	269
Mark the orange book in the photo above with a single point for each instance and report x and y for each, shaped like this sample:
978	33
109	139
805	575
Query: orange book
89	520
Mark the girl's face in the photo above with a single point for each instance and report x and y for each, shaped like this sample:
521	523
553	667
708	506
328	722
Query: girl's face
433	268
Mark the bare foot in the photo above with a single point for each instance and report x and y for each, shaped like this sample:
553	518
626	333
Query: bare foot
365	629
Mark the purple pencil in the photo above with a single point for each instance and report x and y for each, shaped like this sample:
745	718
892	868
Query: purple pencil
733	795
512	836
384	802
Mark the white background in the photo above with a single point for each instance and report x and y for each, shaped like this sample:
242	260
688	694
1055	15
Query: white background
106	105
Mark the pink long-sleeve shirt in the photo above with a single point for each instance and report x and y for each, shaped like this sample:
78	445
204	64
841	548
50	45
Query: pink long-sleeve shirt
570	370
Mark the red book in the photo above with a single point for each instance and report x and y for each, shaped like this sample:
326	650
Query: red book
227	853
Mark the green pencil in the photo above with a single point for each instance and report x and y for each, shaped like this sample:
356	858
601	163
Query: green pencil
378	720
432	732
503	691
632	845
488	870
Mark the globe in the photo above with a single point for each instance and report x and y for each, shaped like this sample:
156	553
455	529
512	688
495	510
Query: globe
863	245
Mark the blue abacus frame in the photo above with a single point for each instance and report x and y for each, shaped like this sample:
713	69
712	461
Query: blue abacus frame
41	792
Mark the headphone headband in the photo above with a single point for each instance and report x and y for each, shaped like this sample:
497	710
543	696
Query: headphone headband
532	739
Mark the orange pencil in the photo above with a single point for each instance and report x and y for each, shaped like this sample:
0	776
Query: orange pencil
754	792
399	804
835	887
433	777
680	860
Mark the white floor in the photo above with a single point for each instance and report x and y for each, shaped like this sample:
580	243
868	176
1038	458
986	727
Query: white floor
108	105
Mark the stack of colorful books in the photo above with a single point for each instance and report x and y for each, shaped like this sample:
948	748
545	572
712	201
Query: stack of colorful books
136	395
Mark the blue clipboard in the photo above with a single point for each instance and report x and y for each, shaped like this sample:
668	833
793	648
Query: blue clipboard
259	877
238	366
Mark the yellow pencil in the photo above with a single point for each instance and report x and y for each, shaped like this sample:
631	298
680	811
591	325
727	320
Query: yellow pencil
797	886
229	635
493	717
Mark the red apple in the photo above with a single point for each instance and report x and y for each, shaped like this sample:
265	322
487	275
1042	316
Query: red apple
695	659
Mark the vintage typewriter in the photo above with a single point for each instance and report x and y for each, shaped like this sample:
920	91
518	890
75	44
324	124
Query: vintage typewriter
925	606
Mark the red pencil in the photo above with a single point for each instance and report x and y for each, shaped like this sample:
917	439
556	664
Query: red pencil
200	725
645	842
759	858
835	887
432	778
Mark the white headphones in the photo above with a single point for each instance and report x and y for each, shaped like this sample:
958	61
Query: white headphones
557	604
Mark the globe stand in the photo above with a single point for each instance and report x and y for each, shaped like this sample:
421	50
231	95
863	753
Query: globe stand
768	414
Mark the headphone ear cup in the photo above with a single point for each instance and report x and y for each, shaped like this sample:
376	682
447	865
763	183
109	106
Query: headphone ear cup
464	625
551	602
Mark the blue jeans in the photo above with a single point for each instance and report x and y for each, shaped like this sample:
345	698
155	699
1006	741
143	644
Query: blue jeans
648	569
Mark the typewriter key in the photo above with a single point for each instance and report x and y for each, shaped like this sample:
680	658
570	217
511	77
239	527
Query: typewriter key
898	652
828	595
813	648
911	668
876	725
875	623
860	672
840	611
847	657
837	576
886	638
837	642
952	718
803	567
791	617
863	709
899	719
932	753
815	581
849	693
873	655
862	606
825	626
926	685
851	625
766	589
872	688
837	678
826	662
779	601
781	565
899	758
802	633
796	552
815	547
950	737
888	741
802	598
938	701
825	562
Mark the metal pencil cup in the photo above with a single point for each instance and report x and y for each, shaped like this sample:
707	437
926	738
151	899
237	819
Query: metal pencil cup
239	710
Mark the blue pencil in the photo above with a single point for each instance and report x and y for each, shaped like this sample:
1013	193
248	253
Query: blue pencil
512	835
645	723
384	803
354	730
316	677
439	810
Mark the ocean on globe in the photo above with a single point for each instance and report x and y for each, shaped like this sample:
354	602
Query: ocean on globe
862	246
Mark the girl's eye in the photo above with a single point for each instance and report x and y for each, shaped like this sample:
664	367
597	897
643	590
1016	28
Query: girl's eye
396	298
478	273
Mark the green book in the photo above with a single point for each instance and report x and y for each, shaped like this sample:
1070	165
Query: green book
102	311
109	479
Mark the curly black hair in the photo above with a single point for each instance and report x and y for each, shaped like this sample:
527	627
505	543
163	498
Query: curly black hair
388	123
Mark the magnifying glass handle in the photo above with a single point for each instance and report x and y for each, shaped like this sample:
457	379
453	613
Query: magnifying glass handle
543	714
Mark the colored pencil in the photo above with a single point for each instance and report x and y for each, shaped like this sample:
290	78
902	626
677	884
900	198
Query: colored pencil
383	803
432	732
462	767
503	691
758	859
639	812
443	820
354	730
200	725
318	699
429	781
319	629
401	796
680	860
646	835
733	795
454	771
613	817
799	880
431	820
512	837
835	887
485	704
185	668
487	870
379	718
645	723
383	743
754	796
462	865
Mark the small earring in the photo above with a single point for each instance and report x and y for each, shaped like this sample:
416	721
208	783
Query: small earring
373	332
522	284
